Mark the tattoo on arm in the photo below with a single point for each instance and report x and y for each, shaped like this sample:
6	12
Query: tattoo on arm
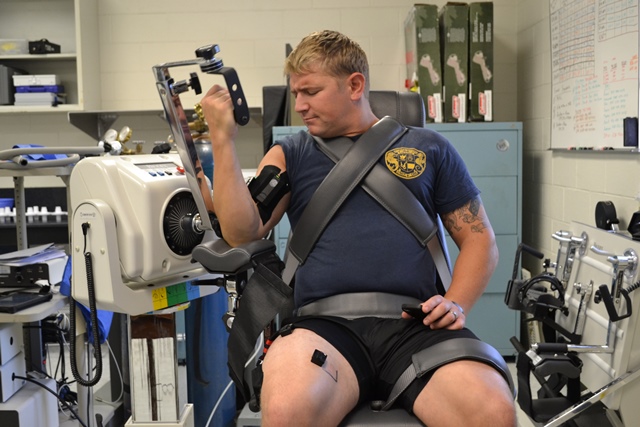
467	214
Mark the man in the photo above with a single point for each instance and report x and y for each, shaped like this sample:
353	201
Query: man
363	249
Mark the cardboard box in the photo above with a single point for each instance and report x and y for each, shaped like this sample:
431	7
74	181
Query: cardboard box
481	61
422	52
454	34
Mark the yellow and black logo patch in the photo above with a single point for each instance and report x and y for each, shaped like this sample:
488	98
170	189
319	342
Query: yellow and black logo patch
407	163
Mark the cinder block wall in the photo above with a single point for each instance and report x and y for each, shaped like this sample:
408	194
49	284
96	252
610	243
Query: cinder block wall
252	34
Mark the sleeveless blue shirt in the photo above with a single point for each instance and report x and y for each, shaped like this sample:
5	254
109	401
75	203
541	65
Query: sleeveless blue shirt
364	248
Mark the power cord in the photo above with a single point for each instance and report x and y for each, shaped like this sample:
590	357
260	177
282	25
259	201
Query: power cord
215	407
94	321
249	361
18	377
119	398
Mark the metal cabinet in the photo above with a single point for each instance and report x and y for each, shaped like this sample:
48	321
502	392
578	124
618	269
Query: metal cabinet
493	155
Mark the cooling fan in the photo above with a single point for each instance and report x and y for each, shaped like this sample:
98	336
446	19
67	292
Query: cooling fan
178	224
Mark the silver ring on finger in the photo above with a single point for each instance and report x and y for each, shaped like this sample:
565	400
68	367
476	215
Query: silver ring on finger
455	315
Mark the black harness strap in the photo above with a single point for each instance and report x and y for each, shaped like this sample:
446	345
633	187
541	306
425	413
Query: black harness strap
401	203
388	191
442	353
263	298
359	166
339	183
357	163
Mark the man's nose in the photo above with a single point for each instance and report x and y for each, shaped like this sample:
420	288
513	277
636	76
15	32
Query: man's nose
301	104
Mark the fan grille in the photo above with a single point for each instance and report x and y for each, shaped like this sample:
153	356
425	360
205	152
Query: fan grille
177	225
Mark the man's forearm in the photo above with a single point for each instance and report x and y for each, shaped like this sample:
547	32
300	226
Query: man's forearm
472	272
234	207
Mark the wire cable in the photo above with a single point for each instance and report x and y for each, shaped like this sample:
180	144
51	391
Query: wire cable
215	407
118	399
251	358
94	321
17	377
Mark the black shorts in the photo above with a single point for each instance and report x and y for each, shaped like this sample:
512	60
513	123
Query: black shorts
379	350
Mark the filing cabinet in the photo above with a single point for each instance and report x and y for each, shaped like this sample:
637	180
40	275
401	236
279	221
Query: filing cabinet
493	155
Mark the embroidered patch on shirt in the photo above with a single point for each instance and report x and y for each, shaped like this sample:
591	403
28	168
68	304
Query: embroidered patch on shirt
405	162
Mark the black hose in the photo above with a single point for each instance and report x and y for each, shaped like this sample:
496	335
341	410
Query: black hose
93	312
633	287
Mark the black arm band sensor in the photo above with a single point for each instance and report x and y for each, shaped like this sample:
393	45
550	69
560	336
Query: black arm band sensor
267	189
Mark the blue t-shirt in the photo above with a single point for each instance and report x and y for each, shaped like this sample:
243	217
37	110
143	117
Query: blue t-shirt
364	248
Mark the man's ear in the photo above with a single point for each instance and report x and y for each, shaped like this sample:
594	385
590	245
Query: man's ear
356	83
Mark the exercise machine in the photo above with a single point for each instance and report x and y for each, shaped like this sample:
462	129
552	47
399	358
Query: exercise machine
585	355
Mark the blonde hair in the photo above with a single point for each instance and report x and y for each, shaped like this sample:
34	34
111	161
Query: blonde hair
337	55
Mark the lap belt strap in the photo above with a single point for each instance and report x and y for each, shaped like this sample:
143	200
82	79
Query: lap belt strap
359	304
440	354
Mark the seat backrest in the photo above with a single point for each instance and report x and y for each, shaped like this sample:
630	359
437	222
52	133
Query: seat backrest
406	107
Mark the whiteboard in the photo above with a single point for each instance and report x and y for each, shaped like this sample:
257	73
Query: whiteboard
594	61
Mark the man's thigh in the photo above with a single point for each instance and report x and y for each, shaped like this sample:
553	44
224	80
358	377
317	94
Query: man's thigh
327	392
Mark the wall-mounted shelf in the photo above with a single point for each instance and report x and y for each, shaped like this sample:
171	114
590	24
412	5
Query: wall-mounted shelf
96	123
73	24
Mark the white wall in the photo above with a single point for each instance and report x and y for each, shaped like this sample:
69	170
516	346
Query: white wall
252	34
560	186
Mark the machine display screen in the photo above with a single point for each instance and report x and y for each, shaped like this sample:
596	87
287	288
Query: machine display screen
157	166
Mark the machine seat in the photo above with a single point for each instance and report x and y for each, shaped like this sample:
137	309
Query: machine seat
217	256
364	416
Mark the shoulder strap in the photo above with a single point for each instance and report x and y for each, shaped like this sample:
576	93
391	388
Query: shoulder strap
401	203
339	183
383	187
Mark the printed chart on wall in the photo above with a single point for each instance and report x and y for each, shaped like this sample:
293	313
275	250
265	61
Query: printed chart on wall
594	60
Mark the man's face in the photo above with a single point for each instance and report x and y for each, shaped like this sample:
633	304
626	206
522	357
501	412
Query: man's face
323	102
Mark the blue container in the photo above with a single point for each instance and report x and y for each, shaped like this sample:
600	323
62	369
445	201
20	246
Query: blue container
207	371
203	148
6	203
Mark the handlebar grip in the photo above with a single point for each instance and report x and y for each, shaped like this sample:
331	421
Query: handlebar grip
531	251
554	347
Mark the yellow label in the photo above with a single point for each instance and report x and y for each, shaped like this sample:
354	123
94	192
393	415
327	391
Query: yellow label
159	297
406	162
